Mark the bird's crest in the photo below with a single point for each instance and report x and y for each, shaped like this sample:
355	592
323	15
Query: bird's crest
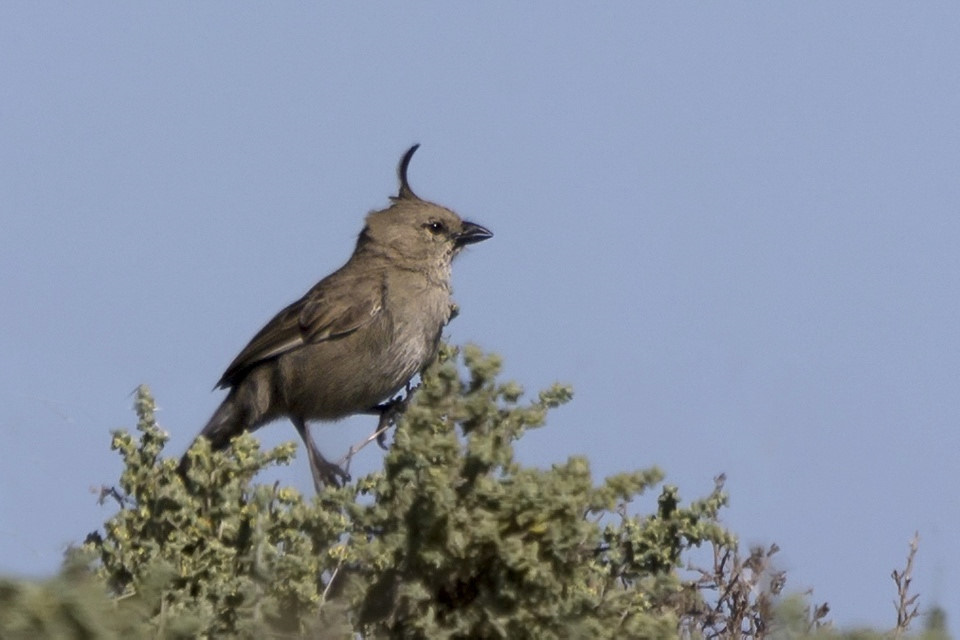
406	193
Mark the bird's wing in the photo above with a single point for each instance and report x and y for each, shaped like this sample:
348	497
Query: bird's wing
336	306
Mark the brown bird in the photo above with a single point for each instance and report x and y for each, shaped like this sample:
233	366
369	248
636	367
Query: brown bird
358	336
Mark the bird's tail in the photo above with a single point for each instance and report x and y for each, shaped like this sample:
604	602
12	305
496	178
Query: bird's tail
223	425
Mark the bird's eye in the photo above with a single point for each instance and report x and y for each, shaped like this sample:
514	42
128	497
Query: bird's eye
435	227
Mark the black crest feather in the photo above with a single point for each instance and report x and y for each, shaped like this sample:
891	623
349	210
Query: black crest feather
405	191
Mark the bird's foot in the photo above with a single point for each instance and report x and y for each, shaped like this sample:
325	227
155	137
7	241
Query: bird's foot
326	473
389	412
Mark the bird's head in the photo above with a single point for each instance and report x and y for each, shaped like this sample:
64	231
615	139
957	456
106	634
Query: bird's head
417	231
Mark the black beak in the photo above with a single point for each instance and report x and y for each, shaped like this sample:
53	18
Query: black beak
472	233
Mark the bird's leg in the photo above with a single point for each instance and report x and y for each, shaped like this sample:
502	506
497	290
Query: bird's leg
324	472
389	411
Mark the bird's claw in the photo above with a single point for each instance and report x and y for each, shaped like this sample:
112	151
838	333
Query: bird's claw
382	439
389	412
326	473
388	415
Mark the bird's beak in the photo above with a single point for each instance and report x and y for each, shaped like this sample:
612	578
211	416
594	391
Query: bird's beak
472	233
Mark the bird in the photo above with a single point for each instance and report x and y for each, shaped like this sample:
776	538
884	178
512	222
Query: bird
355	338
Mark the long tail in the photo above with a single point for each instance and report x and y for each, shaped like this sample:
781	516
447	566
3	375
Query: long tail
225	423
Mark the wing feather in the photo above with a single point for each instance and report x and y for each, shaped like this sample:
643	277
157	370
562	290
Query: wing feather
337	305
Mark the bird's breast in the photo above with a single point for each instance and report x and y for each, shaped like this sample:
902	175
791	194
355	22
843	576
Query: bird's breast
352	373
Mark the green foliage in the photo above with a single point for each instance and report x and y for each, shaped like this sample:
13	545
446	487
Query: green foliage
72	605
461	541
217	556
452	539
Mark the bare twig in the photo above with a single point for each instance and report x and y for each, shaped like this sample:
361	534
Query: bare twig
740	595
333	577
389	413
817	616
344	462
906	604
111	492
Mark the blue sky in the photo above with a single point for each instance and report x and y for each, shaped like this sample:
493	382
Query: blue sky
733	227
